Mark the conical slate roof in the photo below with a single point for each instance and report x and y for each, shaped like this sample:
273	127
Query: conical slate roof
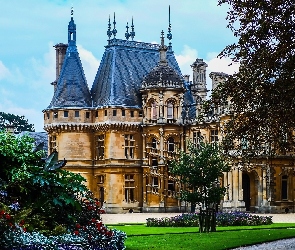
72	89
122	70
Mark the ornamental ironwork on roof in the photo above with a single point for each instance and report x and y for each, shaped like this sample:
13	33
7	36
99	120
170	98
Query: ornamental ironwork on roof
122	70
72	89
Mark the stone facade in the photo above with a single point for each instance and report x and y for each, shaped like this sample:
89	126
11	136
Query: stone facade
122	134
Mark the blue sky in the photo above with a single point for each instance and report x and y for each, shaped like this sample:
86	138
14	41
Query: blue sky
30	28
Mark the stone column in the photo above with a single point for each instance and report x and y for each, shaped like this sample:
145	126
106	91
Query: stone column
181	141
144	187
230	187
264	195
235	186
225	184
240	185
161	132
144	146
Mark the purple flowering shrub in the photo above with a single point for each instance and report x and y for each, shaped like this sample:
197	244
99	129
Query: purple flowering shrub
183	220
242	219
222	219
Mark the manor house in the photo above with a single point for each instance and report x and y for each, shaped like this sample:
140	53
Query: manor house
122	133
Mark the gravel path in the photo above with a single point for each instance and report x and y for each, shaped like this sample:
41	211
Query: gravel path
287	244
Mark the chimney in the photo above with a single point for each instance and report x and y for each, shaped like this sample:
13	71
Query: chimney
61	50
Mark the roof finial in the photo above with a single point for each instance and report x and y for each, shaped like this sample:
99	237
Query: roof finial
163	50
132	33
109	32
114	29
127	35
162	38
169	34
72	12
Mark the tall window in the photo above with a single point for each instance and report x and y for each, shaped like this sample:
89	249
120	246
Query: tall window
76	113
129	187
100	147
129	146
66	113
155	184
170	110
87	115
170	144
55	115
197	138
52	143
214	135
154	114
154	145
154	165
284	187
171	185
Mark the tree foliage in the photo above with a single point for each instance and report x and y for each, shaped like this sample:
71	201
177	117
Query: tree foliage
199	171
262	92
19	123
52	194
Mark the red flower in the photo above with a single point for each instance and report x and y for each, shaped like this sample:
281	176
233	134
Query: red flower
93	220
25	230
76	232
78	225
2	212
22	222
7	216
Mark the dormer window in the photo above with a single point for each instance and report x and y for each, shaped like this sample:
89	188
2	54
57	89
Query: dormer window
170	110
154	115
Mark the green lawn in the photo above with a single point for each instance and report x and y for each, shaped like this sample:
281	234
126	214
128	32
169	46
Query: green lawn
142	237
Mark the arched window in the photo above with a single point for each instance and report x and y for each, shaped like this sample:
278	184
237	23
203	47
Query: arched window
154	114
284	187
170	144
170	110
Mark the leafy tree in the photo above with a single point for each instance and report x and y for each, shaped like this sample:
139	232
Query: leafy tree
52	194
18	122
262	92
200	170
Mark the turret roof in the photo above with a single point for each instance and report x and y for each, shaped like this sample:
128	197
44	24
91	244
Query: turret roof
72	89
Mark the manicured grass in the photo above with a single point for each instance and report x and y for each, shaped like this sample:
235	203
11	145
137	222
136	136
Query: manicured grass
142	237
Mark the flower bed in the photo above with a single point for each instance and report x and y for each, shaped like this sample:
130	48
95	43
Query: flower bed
222	219
242	219
184	220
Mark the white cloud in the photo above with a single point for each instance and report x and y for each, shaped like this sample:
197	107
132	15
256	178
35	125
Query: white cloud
221	64
90	64
186	58
4	71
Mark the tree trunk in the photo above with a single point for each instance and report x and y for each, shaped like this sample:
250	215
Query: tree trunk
207	220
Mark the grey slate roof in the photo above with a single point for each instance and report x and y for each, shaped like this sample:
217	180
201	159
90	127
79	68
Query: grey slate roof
121	72
72	89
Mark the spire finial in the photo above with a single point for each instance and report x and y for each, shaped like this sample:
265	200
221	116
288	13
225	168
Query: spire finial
162	38
109	32
163	50
127	35
132	33
169	34
72	12
114	29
